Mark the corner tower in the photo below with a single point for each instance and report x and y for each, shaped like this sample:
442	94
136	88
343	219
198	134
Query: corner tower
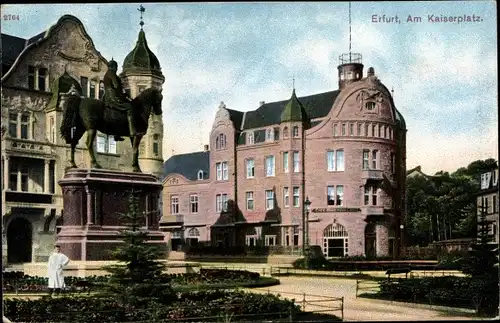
350	66
141	70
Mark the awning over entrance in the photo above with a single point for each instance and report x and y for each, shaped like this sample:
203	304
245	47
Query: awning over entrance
173	221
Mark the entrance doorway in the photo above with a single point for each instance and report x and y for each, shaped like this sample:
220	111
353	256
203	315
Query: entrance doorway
192	237
370	240
19	241
335	241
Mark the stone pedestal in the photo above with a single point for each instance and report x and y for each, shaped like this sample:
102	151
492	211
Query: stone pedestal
93	200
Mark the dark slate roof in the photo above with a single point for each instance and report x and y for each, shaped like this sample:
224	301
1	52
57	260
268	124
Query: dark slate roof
36	38
141	57
236	117
316	106
188	165
12	46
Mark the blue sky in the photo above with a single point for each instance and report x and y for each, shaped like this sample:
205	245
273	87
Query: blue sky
444	75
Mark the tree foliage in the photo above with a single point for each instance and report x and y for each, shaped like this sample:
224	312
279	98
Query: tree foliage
139	276
443	206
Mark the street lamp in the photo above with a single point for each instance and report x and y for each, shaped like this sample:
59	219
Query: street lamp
401	243
305	242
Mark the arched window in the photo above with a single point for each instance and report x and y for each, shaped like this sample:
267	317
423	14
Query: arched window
220	142
193	232
335	241
200	175
296	131
370	106
285	132
217	143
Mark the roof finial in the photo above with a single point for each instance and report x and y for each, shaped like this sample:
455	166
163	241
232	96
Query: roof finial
141	9
392	92
293	83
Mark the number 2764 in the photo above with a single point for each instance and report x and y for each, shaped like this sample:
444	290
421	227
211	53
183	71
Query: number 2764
10	17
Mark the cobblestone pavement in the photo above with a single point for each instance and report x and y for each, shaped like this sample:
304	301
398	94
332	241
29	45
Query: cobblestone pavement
357	309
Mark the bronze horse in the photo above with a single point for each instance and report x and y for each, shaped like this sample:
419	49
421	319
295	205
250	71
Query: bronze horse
91	115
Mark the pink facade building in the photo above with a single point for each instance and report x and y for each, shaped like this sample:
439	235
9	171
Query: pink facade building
345	150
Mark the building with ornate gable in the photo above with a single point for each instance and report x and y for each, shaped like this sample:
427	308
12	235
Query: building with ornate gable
345	150
35	72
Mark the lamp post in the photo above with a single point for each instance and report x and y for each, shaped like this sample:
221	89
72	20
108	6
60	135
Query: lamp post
401	242
305	235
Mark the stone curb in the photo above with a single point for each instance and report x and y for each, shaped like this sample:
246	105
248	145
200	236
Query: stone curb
418	305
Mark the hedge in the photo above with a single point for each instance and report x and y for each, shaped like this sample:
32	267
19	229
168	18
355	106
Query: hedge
221	277
201	304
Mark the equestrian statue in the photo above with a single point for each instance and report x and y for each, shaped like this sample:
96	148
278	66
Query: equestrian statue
116	115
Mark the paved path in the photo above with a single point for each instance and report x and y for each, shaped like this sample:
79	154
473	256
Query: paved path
356	309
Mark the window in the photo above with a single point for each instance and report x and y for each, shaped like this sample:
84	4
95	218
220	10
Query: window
366	159
42	79
101	90
390	133
31	77
366	130
84	82
295	132
360	127
200	175
385	131
250	138
174	202
285	162
270	166
222	171
52	130
286	197
370	106
340	195
296	162
374	159
269	200
218	203
25	123
343	129
335	195
250	168
351	129
335	160
92	89
296	196
285	132
374	130
105	144
249	198
156	144
335	130
380	131
330	195
224	202
220	142
295	236
13	125
193	199
22	171
270	240
495	207
371	191
251	240
270	135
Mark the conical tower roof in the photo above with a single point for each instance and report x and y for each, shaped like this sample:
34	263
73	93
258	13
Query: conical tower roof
294	110
141	58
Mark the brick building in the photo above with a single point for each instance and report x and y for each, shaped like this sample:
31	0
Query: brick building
487	201
344	149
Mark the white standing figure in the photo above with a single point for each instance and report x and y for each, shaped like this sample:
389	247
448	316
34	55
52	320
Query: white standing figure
57	261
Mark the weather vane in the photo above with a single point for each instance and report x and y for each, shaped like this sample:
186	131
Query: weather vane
142	10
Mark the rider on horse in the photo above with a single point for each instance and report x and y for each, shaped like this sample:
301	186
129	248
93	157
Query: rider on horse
115	97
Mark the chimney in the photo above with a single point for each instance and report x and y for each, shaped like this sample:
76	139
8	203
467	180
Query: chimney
371	71
205	148
261	103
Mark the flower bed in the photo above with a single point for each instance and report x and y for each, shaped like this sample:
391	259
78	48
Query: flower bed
207	306
451	291
206	277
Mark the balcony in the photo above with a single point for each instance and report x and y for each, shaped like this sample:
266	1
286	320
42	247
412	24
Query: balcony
372	175
27	146
372	210
28	197
170	222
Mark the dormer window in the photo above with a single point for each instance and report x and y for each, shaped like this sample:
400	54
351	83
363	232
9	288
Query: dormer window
200	175
220	142
370	106
295	132
250	138
269	135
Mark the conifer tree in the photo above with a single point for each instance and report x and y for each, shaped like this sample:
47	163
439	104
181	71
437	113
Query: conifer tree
138	278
